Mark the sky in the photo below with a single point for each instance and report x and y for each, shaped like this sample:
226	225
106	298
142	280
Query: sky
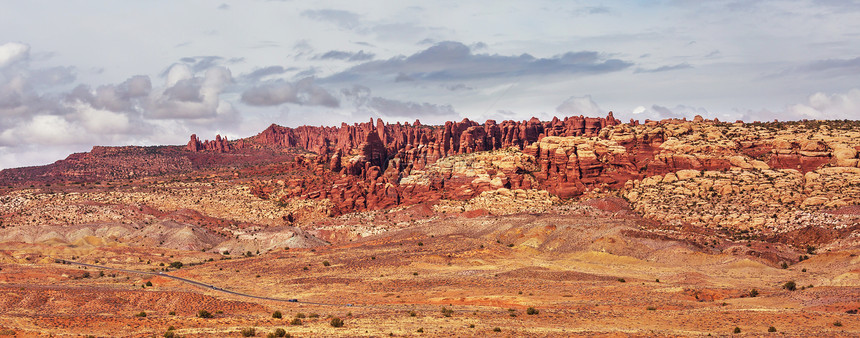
74	74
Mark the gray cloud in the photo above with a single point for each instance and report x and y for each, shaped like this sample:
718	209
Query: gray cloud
402	77
260	73
343	19
458	87
664	68
365	102
349	56
124	97
303	92
455	61
394	108
832	64
201	63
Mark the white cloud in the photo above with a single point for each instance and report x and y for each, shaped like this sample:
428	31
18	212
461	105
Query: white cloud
580	105
12	52
818	106
101	121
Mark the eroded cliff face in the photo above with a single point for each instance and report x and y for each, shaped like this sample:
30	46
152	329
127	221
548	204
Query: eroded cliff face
564	159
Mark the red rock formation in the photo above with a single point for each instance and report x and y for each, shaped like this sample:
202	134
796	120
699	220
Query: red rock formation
219	144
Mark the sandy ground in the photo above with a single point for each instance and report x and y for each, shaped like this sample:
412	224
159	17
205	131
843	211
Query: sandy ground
585	275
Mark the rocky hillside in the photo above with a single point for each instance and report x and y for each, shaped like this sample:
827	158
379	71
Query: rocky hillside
772	177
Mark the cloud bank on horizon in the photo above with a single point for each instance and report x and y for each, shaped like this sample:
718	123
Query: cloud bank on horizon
74	75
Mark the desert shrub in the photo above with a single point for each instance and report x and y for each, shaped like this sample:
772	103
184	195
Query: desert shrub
790	286
651	308
296	321
300	315
837	323
753	293
420	243
279	332
148	283
176	265
784	265
140	314
412	314
810	249
249	332
277	314
326	263
498	329
172	313
447	312
771	329
170	334
204	314
313	315
737	330
622	280
336	322
471	326
532	311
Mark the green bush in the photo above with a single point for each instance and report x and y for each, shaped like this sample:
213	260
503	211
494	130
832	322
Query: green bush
277	314
204	314
336	322
176	265
753	293
790	286
532	311
279	332
249	332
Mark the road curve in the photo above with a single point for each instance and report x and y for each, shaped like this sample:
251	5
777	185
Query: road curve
204	285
